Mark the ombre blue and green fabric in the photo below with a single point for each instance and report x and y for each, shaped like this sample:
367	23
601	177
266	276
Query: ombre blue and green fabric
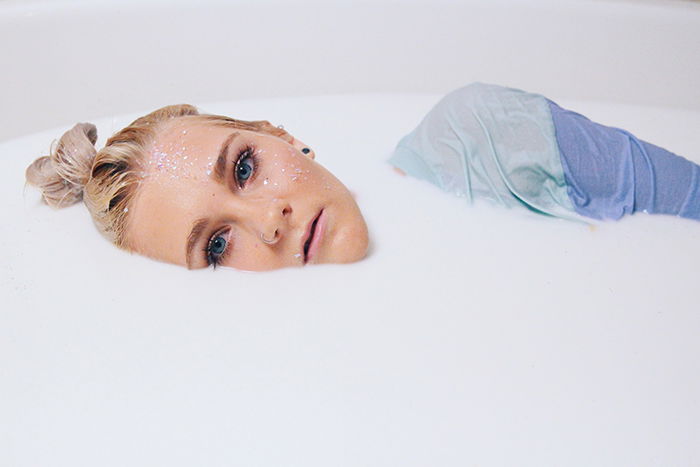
520	149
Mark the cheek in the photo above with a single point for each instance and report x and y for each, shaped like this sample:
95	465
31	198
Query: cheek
251	255
282	168
285	169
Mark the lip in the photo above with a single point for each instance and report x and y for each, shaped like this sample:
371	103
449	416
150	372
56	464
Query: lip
316	239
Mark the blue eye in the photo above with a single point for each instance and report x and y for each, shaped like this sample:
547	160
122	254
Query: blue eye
216	249
245	166
218	245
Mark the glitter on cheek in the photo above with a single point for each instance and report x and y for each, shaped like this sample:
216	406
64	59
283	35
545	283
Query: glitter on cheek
210	164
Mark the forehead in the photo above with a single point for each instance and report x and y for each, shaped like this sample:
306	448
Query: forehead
182	146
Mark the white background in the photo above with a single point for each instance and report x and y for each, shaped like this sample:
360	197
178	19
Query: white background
469	336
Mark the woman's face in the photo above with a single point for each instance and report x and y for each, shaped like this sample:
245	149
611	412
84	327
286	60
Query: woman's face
216	195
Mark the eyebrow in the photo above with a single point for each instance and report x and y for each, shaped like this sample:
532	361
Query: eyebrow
193	238
218	174
220	165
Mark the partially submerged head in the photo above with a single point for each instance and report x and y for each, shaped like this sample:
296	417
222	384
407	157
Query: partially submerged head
195	190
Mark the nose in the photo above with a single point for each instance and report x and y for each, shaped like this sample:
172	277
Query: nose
274	221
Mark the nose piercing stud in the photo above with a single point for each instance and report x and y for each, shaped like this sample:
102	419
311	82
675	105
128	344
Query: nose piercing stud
306	150
269	242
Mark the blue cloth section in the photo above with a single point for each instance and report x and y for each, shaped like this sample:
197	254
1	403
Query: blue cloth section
610	173
489	142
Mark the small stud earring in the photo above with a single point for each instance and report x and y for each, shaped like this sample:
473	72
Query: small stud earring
306	150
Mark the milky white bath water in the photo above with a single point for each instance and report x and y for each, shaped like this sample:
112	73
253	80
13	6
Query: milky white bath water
471	335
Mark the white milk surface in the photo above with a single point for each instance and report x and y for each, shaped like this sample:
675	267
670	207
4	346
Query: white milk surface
470	336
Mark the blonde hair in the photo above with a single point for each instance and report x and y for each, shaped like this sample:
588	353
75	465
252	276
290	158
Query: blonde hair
107	180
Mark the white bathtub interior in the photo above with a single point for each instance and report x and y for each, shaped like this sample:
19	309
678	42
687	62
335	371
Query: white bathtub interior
471	335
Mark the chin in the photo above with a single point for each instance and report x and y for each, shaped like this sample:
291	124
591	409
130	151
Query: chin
350	245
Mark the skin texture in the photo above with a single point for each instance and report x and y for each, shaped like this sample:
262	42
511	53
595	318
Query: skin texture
274	199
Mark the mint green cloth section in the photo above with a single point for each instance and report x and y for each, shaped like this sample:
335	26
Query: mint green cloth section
490	142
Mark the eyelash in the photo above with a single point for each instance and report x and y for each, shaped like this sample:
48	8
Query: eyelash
247	151
212	260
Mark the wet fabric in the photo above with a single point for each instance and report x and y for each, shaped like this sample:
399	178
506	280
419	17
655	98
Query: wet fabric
519	149
610	172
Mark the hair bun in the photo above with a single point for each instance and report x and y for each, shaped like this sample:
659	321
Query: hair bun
62	175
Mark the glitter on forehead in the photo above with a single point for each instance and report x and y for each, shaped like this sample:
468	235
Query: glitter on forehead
171	159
